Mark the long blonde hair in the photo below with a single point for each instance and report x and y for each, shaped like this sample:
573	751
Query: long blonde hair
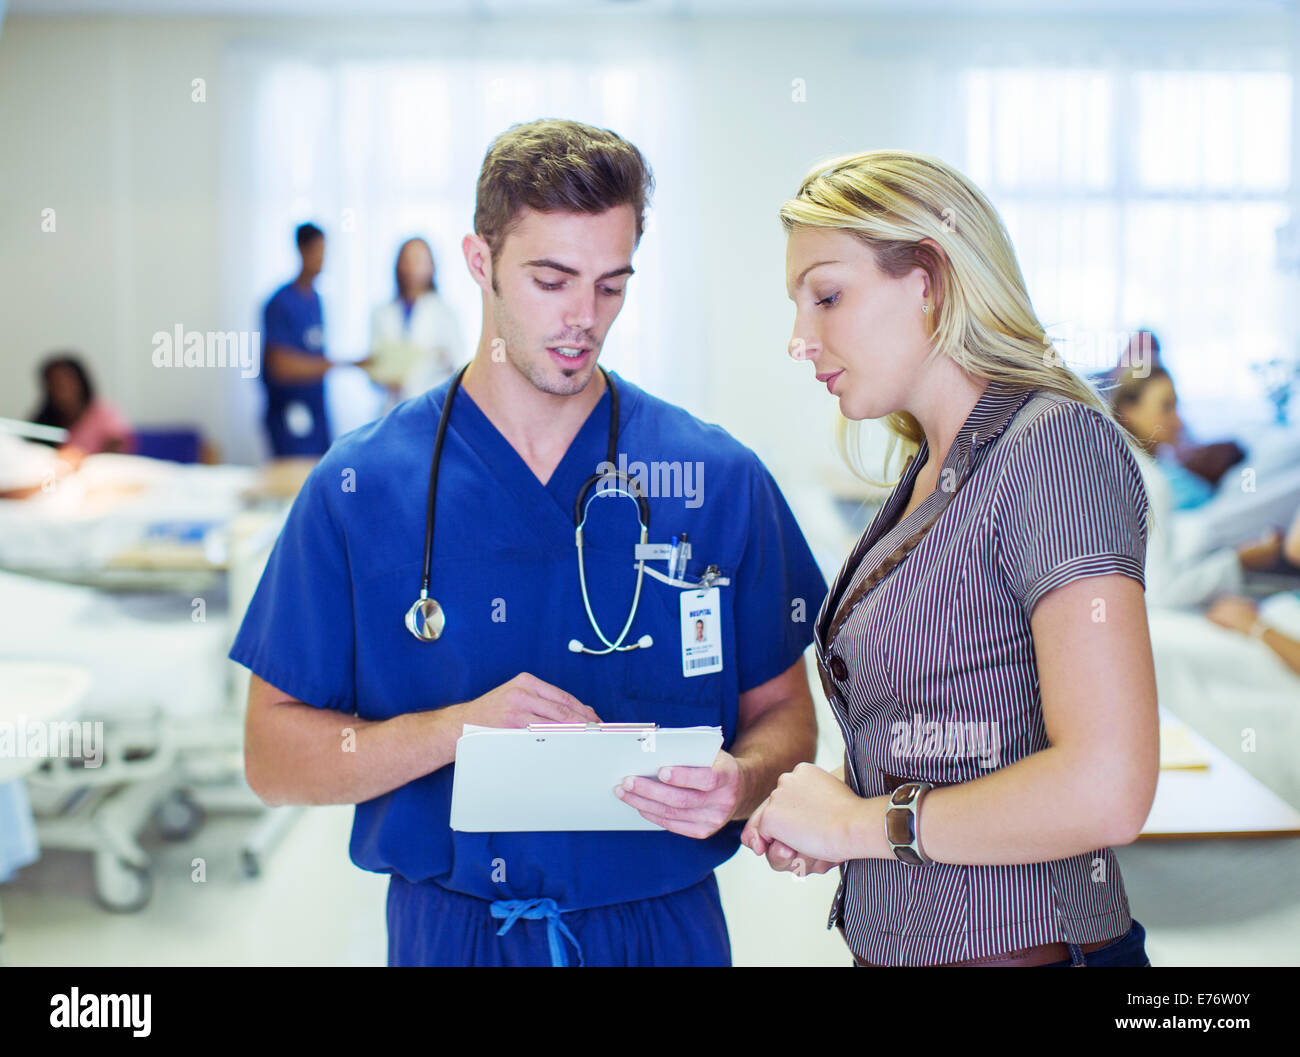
981	316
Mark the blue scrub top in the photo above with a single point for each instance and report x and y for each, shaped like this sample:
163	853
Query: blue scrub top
326	624
294	319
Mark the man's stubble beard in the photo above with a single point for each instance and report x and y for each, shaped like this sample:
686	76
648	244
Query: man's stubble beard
518	353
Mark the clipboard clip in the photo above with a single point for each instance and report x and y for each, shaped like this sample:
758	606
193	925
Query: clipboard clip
554	728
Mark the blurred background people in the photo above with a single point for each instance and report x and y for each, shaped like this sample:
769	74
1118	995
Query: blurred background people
69	402
1178	575
415	339
1196	469
293	336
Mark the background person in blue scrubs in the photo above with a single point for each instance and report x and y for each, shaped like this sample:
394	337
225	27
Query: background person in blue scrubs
346	706
293	335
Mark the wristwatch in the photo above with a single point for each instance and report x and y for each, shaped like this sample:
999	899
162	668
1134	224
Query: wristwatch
901	826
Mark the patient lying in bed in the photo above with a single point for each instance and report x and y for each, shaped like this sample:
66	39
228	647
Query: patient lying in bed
27	469
1277	623
1235	677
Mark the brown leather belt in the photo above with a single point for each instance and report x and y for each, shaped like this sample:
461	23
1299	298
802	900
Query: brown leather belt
1042	954
892	782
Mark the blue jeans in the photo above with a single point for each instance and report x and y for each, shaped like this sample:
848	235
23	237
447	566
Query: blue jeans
1129	949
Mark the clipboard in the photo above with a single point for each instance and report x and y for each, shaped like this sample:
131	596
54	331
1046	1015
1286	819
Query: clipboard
561	776
393	358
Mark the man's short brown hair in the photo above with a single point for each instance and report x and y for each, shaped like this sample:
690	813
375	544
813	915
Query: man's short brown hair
556	166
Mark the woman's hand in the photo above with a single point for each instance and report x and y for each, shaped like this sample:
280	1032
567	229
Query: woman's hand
784	858
810	816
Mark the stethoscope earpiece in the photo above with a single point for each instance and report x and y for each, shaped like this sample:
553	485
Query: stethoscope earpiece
643	643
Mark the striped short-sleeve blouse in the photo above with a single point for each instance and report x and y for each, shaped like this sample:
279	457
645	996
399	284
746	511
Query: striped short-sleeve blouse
930	669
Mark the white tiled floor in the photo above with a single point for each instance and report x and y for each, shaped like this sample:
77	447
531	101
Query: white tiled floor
1203	903
311	906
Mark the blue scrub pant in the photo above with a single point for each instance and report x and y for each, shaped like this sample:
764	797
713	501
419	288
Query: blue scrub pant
430	925
285	443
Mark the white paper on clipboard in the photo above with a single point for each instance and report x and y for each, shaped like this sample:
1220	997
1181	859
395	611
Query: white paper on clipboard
537	780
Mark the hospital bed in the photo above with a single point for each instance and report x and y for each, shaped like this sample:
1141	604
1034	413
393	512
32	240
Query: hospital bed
1234	516
150	618
1233	690
30	695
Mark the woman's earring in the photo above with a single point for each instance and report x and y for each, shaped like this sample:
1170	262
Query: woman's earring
925	308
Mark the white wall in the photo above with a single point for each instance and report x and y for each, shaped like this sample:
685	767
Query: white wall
96	122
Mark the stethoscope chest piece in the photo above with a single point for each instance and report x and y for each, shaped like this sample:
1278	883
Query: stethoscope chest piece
425	620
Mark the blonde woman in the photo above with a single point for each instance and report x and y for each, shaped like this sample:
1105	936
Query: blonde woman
985	647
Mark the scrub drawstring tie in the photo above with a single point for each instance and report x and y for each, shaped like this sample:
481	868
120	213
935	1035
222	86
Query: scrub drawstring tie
533	909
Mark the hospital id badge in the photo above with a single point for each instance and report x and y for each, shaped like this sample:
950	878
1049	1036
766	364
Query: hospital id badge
701	632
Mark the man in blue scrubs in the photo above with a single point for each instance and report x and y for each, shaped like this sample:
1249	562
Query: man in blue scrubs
293	334
347	706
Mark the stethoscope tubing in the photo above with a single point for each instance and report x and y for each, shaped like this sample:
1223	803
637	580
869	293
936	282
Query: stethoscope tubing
579	519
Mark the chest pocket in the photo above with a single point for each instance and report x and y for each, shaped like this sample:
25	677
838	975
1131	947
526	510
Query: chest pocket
653	679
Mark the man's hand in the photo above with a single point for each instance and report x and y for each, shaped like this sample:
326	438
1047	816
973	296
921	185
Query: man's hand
524	699
692	801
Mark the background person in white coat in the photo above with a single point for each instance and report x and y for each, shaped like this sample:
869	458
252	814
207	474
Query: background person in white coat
415	340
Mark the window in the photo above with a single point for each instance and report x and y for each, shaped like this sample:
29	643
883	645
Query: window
1146	198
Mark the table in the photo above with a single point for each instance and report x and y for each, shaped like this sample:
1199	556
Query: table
1220	800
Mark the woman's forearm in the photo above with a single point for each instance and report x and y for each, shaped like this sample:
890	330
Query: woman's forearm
1044	807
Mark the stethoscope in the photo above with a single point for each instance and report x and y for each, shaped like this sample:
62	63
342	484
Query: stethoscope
426	619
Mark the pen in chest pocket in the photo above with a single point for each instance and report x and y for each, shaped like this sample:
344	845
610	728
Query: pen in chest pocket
677	557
